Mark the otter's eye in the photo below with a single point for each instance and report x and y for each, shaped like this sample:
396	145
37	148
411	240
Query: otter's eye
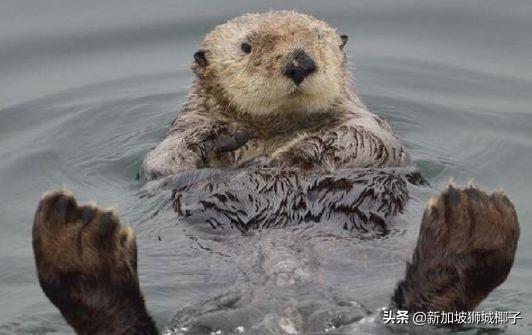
246	47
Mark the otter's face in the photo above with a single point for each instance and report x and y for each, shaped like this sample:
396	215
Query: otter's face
274	62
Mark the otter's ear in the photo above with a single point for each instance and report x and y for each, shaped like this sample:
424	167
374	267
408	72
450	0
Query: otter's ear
344	39
200	58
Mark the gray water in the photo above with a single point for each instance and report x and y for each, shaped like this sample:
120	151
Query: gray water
88	87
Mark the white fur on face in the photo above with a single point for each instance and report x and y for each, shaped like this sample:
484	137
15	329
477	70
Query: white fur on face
254	83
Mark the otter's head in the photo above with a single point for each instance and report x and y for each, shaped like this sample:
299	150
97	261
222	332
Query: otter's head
274	62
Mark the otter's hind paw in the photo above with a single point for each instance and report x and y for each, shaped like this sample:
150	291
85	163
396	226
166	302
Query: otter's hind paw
87	266
465	249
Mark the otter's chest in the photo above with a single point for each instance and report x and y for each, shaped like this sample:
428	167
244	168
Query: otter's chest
272	132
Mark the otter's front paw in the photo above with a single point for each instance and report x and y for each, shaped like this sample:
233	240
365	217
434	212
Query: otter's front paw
228	143
87	265
465	249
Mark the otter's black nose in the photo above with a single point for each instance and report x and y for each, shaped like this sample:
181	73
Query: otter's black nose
299	66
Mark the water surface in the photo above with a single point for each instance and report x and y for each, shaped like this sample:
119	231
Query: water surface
87	88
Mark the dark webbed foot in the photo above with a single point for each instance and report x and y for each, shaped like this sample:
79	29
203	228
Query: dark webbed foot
465	249
234	142
87	267
220	139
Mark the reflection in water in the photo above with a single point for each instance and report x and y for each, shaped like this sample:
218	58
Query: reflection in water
447	75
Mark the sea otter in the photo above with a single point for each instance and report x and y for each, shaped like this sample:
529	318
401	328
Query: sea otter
274	86
273	136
